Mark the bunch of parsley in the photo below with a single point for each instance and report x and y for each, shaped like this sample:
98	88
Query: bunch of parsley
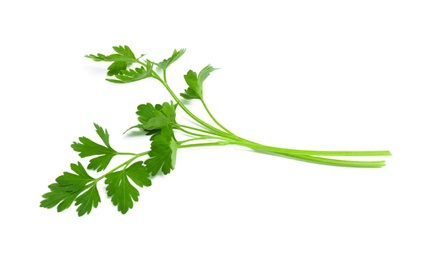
158	121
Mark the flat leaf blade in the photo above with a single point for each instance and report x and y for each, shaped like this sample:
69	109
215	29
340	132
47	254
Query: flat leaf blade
195	83
163	152
75	187
87	200
132	75
122	193
174	57
156	117
138	173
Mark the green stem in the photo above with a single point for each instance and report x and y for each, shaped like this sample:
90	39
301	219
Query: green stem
214	119
306	155
189	132
164	75
185	109
220	143
122	165
125	153
311	152
335	162
224	135
197	139
142	63
244	142
306	158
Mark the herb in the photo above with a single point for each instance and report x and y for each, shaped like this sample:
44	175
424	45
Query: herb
159	121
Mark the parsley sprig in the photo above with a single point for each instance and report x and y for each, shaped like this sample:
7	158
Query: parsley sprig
159	121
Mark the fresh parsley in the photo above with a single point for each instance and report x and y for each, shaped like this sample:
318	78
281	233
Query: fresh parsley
159	121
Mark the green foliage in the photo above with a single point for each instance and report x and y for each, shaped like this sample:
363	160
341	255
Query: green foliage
121	190
121	60
87	200
163	152
87	148
195	82
127	76
69	187
156	117
124	180
167	62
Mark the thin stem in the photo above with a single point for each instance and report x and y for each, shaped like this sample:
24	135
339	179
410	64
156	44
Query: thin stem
195	128
185	109
214	119
253	145
335	162
121	165
198	135
312	152
220	143
225	135
165	75
146	152
196	139
307	158
307	155
142	63
125	153
189	132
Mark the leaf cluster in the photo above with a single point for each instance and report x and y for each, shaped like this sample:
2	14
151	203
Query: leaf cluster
195	81
123	181
124	58
121	59
69	187
87	148
121	190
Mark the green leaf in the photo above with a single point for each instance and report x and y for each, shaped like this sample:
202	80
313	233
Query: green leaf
127	76
163	152
167	62
57	195
195	82
138	174
158	116
98	57
121	191
103	134
124	53
100	163
87	147
87	200
70	187
123	58
74	182
117	67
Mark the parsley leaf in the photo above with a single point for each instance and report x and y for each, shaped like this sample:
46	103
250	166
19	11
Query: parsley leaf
69	187
74	182
87	200
195	82
127	76
121	191
167	62
87	147
163	152
123	58
158	116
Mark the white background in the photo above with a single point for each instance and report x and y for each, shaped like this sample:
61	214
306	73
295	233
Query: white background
326	75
